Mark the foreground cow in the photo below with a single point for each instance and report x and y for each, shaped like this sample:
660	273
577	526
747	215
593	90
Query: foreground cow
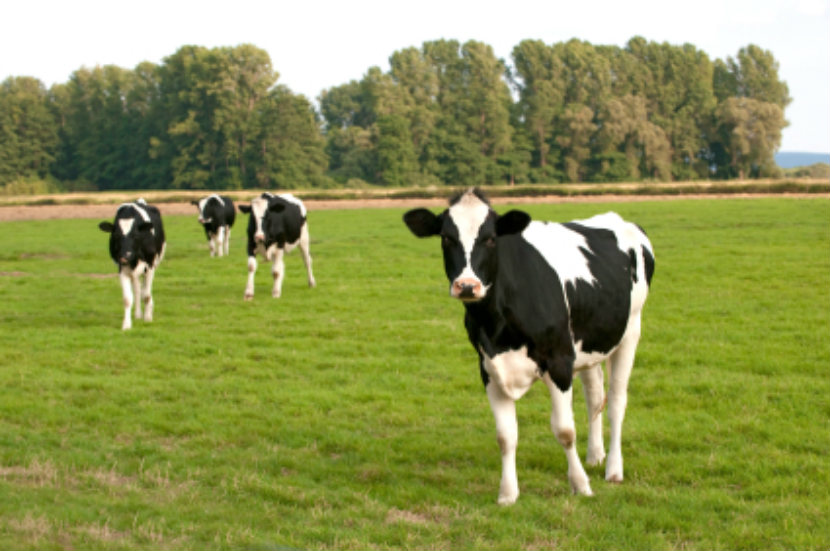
276	225
137	246
542	301
217	215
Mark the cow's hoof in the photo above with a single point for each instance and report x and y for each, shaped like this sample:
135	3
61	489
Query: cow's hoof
595	457
580	485
248	297
507	500
615	478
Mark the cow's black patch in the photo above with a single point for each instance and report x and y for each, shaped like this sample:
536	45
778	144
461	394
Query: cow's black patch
600	309
283	222
648	262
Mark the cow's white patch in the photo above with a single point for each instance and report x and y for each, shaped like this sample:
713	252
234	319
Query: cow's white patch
126	225
468	215
258	207
512	371
291	199
560	247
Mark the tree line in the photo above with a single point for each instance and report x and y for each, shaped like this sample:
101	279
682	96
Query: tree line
444	113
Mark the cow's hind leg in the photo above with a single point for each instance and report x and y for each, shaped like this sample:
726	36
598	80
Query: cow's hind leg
620	364
305	240
227	242
563	427
507	432
592	385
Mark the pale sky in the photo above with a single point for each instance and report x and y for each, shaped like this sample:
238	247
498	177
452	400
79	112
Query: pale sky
317	44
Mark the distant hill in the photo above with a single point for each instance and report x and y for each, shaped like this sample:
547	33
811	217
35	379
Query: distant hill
787	159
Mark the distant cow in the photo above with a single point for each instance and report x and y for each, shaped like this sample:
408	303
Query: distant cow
276	225
542	301
217	215
136	246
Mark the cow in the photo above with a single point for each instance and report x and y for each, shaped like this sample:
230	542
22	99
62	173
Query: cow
217	215
542	301
137	246
276	225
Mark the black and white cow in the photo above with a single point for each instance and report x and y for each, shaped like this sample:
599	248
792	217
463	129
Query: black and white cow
545	300
276	225
217	214
137	246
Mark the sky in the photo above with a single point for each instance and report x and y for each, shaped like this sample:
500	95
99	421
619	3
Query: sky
318	44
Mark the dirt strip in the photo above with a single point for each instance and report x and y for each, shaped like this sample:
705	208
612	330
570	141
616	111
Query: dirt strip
105	212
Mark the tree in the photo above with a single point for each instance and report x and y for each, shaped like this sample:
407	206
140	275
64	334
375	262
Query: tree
753	75
28	130
749	133
538	77
578	129
289	149
395	153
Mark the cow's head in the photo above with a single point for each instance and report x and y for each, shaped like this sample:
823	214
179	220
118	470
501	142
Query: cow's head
200	204
257	210
469	231
131	239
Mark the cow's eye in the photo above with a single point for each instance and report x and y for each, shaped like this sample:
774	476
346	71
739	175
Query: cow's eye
446	241
490	242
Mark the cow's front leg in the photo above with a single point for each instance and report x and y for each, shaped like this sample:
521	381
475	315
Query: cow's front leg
220	241
136	280
212	244
125	277
594	390
227	243
507	432
147	294
278	271
249	287
563	427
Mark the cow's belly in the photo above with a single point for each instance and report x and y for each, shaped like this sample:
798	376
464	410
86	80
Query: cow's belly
512	371
585	360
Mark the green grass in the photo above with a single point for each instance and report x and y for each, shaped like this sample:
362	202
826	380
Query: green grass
351	416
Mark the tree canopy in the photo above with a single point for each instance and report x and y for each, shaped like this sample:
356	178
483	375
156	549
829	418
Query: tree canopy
444	113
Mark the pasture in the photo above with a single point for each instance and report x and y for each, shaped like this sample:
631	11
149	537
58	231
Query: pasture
352	416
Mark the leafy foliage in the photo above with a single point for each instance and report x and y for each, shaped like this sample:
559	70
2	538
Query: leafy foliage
444	113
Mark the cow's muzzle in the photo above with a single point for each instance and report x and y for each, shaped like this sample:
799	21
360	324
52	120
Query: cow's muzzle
467	289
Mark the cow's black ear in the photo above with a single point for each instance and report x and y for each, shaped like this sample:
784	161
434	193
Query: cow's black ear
513	221
145	226
195	203
106	226
244	208
276	207
422	222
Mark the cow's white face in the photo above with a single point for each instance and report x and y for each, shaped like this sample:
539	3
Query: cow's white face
259	206
469	230
468	239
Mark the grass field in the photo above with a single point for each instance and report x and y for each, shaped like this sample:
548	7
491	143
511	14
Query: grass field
352	416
